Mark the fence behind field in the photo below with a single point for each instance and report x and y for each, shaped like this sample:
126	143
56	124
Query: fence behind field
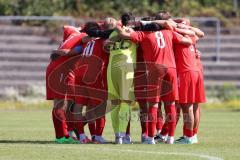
214	23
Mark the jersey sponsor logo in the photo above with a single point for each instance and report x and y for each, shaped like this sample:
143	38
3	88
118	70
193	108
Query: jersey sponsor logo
122	45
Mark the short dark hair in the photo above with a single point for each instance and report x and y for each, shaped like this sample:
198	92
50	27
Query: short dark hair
162	15
148	18
91	26
126	17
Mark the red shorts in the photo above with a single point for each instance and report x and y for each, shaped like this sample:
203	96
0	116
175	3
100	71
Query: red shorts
70	81
140	83
162	84
50	92
191	87
90	94
170	86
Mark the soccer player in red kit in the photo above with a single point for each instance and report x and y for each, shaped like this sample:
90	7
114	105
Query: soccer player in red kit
58	112
191	87
159	58
91	87
140	82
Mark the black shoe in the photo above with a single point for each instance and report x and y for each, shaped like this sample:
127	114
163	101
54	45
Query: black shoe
156	137
179	139
159	139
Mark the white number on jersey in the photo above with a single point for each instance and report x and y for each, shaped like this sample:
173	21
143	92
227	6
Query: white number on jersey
88	50
160	39
192	48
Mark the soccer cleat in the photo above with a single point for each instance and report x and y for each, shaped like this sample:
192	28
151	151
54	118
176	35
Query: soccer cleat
170	140
85	140
195	139
72	135
99	140
93	138
185	140
65	140
62	140
118	140
160	139
72	141
144	139
127	140
150	141
179	139
128	137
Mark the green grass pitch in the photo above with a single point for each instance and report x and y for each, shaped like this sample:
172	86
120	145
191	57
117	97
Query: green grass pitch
27	135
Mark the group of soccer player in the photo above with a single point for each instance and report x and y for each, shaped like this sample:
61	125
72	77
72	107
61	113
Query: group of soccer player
152	61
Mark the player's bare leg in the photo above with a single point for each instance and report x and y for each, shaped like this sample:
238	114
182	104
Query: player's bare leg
70	120
197	115
178	112
79	116
188	119
59	121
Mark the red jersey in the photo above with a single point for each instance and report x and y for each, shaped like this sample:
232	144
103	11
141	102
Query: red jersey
69	30
158	46
186	57
72	41
94	62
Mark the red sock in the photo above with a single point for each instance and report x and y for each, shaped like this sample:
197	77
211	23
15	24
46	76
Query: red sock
152	121
80	127
197	120
144	120
160	121
92	128
70	122
170	118
188	132
59	122
183	128
164	131
178	114
195	131
100	124
128	128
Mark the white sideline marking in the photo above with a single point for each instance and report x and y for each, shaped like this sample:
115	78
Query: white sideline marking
204	156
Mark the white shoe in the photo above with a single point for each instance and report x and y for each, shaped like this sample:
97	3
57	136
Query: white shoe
195	139
72	135
151	140
118	140
128	138
99	140
170	140
160	138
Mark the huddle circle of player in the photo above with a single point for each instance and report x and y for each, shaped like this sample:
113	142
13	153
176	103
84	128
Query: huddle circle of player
153	61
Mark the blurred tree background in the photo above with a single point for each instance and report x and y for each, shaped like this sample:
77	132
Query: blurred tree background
100	8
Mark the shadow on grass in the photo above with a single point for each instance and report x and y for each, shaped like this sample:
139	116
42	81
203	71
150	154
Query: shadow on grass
26	142
46	142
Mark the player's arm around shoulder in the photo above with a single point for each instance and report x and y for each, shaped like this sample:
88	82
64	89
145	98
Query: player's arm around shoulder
182	39
130	34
